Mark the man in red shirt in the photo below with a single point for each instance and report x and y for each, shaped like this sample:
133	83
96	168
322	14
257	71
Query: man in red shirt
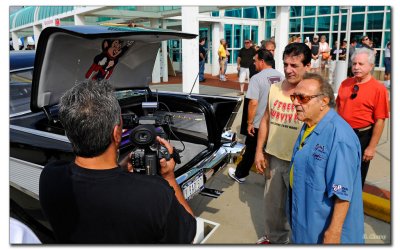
363	102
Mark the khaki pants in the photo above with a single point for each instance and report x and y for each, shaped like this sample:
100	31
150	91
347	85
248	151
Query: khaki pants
277	228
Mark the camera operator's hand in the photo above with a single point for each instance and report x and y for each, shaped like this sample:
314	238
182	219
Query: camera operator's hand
126	163
167	172
166	167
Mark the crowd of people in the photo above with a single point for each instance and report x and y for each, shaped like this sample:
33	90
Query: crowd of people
313	150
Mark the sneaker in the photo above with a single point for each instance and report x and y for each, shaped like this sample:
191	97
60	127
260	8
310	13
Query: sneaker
263	241
231	172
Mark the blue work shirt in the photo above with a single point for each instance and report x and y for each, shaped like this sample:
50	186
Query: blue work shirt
328	165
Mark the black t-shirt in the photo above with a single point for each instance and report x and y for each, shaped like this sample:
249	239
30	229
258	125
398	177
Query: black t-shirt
202	51
314	48
112	206
246	57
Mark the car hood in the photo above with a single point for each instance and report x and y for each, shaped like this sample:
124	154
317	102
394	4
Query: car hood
67	55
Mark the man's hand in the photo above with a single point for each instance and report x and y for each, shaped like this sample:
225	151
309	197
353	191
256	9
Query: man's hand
369	153
251	130
332	236
166	167
261	162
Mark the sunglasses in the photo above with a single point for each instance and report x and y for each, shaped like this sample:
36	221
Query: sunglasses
303	99
366	39
355	91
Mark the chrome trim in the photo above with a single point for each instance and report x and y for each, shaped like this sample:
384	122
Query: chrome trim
24	176
20	69
20	113
40	133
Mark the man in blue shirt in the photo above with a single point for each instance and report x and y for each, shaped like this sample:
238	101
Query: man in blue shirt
325	199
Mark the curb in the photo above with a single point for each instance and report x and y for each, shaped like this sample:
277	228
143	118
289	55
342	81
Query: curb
376	207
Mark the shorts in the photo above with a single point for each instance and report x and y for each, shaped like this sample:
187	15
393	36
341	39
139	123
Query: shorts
244	75
388	65
222	62
315	63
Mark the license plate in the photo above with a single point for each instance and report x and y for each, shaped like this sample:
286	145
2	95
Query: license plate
193	186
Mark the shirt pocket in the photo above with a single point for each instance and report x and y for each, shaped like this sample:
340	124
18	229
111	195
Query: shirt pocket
315	171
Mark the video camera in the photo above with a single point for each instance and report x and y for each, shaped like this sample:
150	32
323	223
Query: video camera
148	152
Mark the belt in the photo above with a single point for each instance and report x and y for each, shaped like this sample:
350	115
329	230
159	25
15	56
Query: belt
363	129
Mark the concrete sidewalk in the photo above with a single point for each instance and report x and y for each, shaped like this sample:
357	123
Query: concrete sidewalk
239	210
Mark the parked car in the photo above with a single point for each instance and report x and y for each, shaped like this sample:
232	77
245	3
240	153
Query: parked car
67	55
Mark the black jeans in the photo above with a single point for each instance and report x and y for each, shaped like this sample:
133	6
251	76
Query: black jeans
244	166
365	138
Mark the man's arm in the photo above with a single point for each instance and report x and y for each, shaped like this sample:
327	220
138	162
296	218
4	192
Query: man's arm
167	172
369	152
259	160
334	231
251	113
238	63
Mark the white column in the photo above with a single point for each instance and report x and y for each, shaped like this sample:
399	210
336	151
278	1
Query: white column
79	19
36	33
155	78
281	35
15	40
164	56
261	31
25	42
190	49
216	36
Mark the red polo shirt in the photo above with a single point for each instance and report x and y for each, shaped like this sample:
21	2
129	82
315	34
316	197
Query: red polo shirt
370	104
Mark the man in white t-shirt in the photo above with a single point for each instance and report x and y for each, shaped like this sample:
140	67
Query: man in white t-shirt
280	127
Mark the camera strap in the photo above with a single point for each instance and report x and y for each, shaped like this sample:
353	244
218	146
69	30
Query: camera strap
176	156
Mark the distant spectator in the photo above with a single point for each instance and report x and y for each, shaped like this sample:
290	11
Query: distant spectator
353	44
202	59
388	64
222	57
324	51
307	42
315	60
244	61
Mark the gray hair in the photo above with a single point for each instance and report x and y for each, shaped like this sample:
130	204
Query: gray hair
89	112
324	87
370	53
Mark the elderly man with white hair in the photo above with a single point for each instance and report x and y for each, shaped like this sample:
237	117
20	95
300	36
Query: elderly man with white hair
363	102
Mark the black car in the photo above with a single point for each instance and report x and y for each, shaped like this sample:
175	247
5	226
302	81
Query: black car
199	125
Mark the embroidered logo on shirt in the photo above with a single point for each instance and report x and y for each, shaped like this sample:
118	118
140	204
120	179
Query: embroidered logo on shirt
339	189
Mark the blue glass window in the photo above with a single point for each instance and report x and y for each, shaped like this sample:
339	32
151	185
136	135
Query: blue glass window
308	24
375	8
262	12
246	32
388	19
294	25
336	9
323	10
344	22
237	40
268	29
309	10
215	13
233	13
250	12
335	23
228	35
324	23
295	11
234	57
357	22
375	21
254	34
271	12
358	8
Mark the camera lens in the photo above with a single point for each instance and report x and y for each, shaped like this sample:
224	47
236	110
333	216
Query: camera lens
143	135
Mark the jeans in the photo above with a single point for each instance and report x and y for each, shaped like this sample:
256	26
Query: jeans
365	138
201	70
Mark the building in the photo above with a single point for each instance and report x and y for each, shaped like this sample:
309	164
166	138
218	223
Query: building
235	24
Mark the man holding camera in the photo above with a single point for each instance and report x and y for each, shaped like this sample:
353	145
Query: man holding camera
93	199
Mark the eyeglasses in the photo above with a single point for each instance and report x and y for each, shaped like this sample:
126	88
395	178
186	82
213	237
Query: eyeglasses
303	99
355	91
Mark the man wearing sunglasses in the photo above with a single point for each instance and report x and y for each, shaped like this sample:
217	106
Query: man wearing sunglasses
363	102
325	198
280	127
